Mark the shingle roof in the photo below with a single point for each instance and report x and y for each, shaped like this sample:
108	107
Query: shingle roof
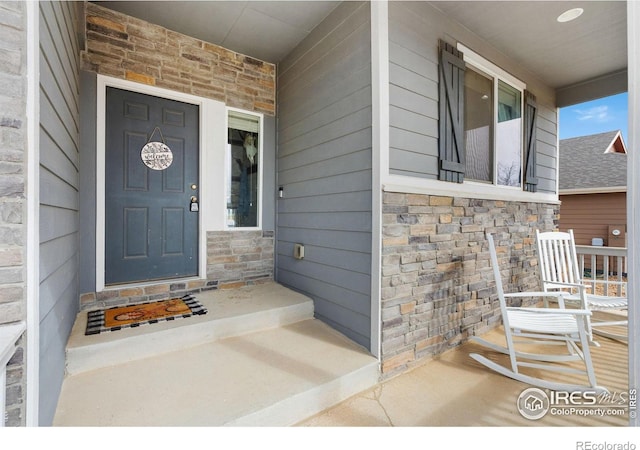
585	165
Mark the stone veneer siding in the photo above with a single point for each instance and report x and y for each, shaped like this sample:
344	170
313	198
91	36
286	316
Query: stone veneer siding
13	164
124	47
235	258
437	281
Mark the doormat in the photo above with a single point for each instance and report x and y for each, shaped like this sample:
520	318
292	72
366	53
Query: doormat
131	316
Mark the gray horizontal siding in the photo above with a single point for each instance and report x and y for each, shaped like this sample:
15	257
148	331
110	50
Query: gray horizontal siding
328	309
55	222
56	191
411	101
296	110
324	166
338	221
322	40
54	252
413	92
414	30
339	239
355	141
339	165
327	133
340	202
355	101
345	182
59	163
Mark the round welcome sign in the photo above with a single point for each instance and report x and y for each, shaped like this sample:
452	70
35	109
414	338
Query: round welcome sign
156	155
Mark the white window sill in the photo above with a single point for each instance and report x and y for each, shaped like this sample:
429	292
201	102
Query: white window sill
411	185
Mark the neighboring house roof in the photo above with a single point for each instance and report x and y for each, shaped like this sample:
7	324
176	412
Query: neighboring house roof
594	163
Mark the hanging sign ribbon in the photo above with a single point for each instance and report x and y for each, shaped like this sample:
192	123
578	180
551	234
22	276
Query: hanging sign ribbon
156	155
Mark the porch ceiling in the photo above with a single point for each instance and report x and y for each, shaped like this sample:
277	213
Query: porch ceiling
267	30
587	56
562	55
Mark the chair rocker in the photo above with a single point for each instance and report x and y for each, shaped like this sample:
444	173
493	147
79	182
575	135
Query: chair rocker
542	328
560	271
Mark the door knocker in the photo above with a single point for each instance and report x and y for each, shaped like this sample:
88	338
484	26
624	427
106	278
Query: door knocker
156	155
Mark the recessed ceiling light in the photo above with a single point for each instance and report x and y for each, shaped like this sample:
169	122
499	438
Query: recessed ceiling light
570	14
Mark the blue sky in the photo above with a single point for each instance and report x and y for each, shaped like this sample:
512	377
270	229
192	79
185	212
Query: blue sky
597	116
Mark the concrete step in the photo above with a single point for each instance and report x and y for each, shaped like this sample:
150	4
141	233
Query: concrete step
274	377
257	358
229	313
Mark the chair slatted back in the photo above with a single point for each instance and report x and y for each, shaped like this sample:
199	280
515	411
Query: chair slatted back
558	259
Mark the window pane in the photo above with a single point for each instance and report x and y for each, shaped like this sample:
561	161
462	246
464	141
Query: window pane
242	170
509	135
478	124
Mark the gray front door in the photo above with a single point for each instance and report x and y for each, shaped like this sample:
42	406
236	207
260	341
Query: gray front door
151	230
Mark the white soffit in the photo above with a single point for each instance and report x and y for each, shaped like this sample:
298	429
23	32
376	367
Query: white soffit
559	54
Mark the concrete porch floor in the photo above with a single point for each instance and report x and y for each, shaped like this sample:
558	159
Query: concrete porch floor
453	390
294	371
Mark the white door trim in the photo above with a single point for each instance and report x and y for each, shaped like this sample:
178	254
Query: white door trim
212	139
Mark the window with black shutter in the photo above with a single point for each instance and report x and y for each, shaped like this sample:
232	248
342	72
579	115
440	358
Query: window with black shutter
451	106
486	122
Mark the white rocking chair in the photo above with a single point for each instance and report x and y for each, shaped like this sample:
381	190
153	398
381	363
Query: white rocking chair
560	271
540	327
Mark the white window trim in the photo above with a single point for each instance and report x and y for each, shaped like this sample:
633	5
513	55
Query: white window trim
260	118
412	185
478	62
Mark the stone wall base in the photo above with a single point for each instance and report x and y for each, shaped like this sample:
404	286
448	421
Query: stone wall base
437	282
234	259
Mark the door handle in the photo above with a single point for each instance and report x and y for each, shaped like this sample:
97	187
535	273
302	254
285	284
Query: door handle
194	207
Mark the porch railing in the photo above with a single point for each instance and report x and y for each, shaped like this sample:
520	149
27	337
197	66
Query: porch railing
604	269
9	335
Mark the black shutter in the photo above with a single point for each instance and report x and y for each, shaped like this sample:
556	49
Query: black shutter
451	114
530	116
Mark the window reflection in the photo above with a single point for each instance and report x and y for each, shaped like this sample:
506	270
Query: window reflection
508	135
478	120
243	168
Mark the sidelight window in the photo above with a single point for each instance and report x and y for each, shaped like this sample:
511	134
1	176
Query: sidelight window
243	169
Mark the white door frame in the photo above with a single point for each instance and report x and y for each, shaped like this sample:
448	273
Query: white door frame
212	123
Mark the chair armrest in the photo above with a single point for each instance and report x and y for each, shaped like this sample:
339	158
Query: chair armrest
559	295
556	284
568	312
606	297
535	294
589	281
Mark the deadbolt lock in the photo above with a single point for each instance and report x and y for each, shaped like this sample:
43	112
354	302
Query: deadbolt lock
193	207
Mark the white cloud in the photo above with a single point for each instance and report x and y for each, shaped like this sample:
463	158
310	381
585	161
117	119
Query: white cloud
597	113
